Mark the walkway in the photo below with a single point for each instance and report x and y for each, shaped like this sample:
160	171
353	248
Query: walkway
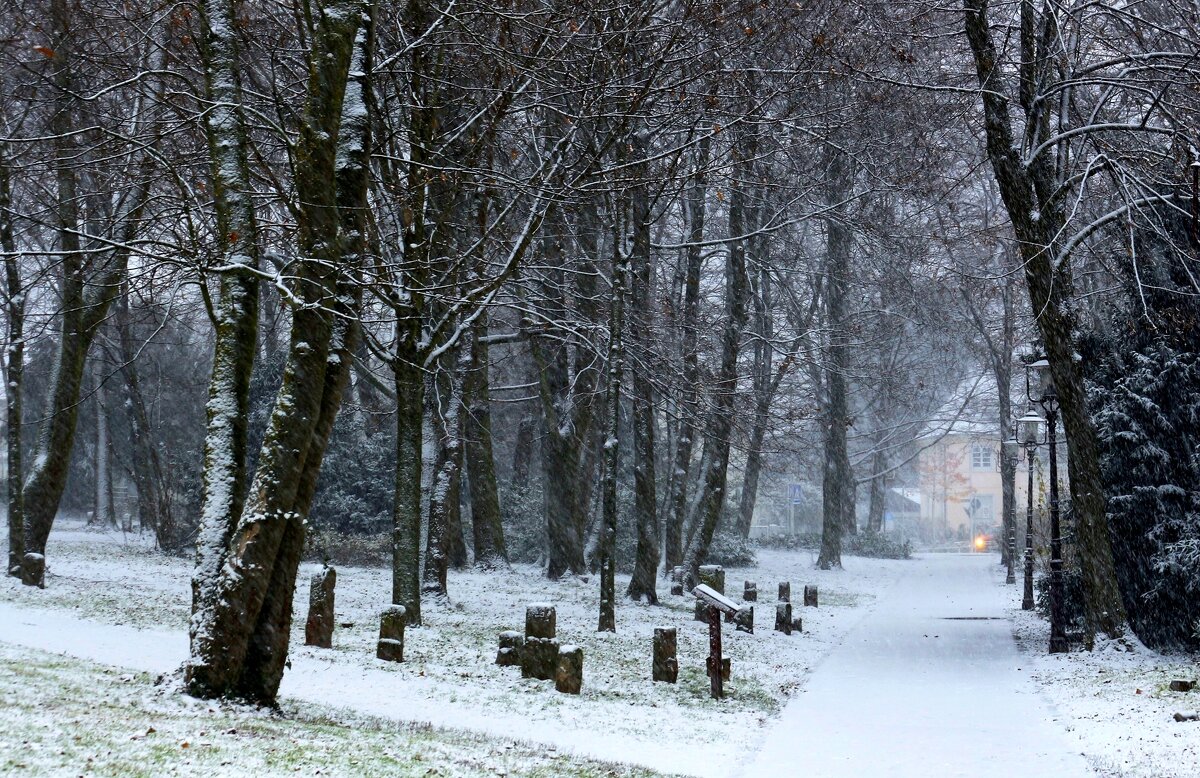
929	685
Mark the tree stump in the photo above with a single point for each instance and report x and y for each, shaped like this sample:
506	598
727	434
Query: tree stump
743	620
568	673
511	643
783	618
391	634
666	661
797	624
785	591
1182	686
318	628
713	576
33	570
540	620
750	593
810	596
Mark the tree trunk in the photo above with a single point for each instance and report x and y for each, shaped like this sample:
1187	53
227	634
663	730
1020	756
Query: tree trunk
877	501
14	303
837	478
487	530
442	493
406	515
103	510
689	404
645	570
236	324
607	547
153	493
720	418
243	636
1037	220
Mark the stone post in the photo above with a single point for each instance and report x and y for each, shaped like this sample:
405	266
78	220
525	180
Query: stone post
511	643
568	673
666	661
318	629
750	593
785	591
810	596
539	656
713	576
33	570
391	634
783	618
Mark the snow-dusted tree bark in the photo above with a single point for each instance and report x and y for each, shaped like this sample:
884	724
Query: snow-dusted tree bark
443	496
607	546
487	530
236	322
1030	196
240	640
689	404
89	282
719	424
14	308
837	477
645	569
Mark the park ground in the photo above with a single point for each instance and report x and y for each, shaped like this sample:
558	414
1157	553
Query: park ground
88	682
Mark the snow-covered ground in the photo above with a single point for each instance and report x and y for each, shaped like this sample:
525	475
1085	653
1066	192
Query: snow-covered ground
110	599
1117	703
907	668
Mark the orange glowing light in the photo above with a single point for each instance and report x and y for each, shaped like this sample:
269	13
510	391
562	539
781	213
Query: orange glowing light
980	543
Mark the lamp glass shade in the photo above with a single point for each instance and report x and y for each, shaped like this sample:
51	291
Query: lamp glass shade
1041	380
1010	448
1029	428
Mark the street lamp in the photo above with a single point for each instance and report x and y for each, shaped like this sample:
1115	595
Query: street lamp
1009	450
1029	435
1046	395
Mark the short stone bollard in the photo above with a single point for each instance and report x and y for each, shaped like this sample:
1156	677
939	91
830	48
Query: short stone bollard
318	628
511	643
785	591
677	580
539	655
391	634
713	576
750	592
783	618
743	620
797	624
568	672
666	660
810	596
33	570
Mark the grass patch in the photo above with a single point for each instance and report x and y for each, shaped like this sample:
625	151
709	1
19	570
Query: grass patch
63	715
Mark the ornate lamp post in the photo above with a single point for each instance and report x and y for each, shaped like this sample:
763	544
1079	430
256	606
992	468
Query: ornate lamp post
1029	436
1047	397
1009	450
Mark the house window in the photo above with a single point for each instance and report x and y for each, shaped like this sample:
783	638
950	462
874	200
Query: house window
982	458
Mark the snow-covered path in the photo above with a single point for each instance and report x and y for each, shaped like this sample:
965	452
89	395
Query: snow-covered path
930	683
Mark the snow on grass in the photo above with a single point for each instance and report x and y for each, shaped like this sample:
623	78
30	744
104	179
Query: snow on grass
449	678
1116	702
61	716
